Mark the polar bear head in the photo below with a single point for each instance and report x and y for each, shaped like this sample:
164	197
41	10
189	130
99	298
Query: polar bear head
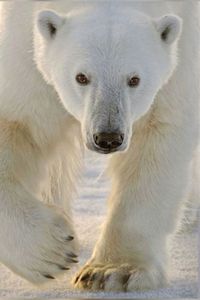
107	69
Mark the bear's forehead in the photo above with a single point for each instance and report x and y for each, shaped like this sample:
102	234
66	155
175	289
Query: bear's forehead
112	34
110	26
114	41
99	43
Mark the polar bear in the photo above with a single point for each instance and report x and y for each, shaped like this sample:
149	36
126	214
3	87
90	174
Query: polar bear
117	78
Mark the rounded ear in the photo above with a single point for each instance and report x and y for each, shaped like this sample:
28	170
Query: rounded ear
169	27
48	23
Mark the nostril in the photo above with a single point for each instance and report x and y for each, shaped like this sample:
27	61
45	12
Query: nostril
118	141
121	138
95	137
101	140
116	144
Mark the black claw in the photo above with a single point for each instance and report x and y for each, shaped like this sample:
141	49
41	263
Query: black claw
85	277
102	285
77	278
72	255
69	238
71	260
64	268
125	278
48	276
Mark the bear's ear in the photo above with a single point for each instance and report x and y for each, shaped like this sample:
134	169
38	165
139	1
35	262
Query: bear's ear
48	23
169	28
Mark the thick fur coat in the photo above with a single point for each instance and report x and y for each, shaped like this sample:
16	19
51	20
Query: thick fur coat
47	118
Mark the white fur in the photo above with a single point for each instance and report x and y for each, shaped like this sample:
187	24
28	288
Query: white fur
43	123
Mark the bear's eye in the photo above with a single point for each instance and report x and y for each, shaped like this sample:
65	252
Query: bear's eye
134	81
82	79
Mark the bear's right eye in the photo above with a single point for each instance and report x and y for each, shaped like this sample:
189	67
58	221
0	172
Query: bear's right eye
82	79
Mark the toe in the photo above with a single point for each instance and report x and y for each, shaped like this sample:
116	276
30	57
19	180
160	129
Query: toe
89	278
116	279
81	280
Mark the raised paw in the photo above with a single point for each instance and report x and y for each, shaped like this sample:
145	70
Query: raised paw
118	278
47	247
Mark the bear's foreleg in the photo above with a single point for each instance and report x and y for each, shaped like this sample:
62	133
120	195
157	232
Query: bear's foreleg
37	239
149	183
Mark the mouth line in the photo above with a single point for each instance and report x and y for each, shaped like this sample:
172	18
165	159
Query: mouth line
101	150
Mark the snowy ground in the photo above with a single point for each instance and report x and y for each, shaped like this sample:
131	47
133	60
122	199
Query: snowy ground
90	210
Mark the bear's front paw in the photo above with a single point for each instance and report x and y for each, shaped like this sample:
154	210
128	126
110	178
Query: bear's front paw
118	278
47	245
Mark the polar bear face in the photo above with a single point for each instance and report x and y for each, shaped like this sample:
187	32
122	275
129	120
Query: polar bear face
106	70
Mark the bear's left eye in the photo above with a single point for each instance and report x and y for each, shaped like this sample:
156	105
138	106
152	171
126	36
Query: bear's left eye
82	79
134	81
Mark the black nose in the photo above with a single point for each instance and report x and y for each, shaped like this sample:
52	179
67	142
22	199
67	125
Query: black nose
108	140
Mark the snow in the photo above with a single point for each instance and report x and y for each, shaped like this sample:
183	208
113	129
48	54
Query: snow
89	213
